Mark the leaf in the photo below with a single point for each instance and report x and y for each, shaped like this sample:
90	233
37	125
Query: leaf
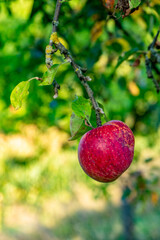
75	123
133	88
77	127
92	120
82	107
19	94
49	75
125	56
134	3
148	160
96	31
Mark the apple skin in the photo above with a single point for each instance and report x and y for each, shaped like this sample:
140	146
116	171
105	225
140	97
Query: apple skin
107	151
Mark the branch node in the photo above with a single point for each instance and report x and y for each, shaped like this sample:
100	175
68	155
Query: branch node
88	79
56	88
56	23
84	70
100	110
68	59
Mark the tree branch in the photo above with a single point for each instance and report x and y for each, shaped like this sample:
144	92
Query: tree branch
150	74
56	15
78	70
56	87
151	58
151	46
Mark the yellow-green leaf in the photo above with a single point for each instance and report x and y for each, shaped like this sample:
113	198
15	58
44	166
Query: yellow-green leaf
134	3
19	94
49	75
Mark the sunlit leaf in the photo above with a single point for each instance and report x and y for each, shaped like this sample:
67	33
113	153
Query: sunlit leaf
82	107
19	94
49	75
134	3
76	4
97	30
22	8
133	88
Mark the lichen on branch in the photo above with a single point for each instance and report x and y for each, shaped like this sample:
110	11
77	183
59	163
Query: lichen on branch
54	40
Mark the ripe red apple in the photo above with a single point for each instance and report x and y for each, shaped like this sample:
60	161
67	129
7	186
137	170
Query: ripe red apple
106	152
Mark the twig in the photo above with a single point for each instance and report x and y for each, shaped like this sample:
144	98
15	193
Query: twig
151	58
56	15
78	70
150	74
56	88
37	78
154	40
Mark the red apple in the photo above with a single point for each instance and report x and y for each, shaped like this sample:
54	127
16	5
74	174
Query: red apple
106	152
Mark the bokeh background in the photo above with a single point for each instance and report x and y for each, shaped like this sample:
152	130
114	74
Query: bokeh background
44	194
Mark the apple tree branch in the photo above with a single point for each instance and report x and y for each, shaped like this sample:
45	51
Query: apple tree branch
54	40
151	58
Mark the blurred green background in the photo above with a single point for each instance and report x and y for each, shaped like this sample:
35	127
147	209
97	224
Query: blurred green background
44	194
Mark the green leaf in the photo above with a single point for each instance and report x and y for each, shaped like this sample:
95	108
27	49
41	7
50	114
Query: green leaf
82	107
125	56
19	94
134	3
92	120
77	127
49	75
75	123
148	160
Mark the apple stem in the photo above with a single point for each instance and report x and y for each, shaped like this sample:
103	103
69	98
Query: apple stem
77	69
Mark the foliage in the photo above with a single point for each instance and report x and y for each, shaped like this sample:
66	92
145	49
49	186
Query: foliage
19	93
49	75
100	43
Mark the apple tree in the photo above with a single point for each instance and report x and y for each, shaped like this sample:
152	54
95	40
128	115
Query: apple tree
117	36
